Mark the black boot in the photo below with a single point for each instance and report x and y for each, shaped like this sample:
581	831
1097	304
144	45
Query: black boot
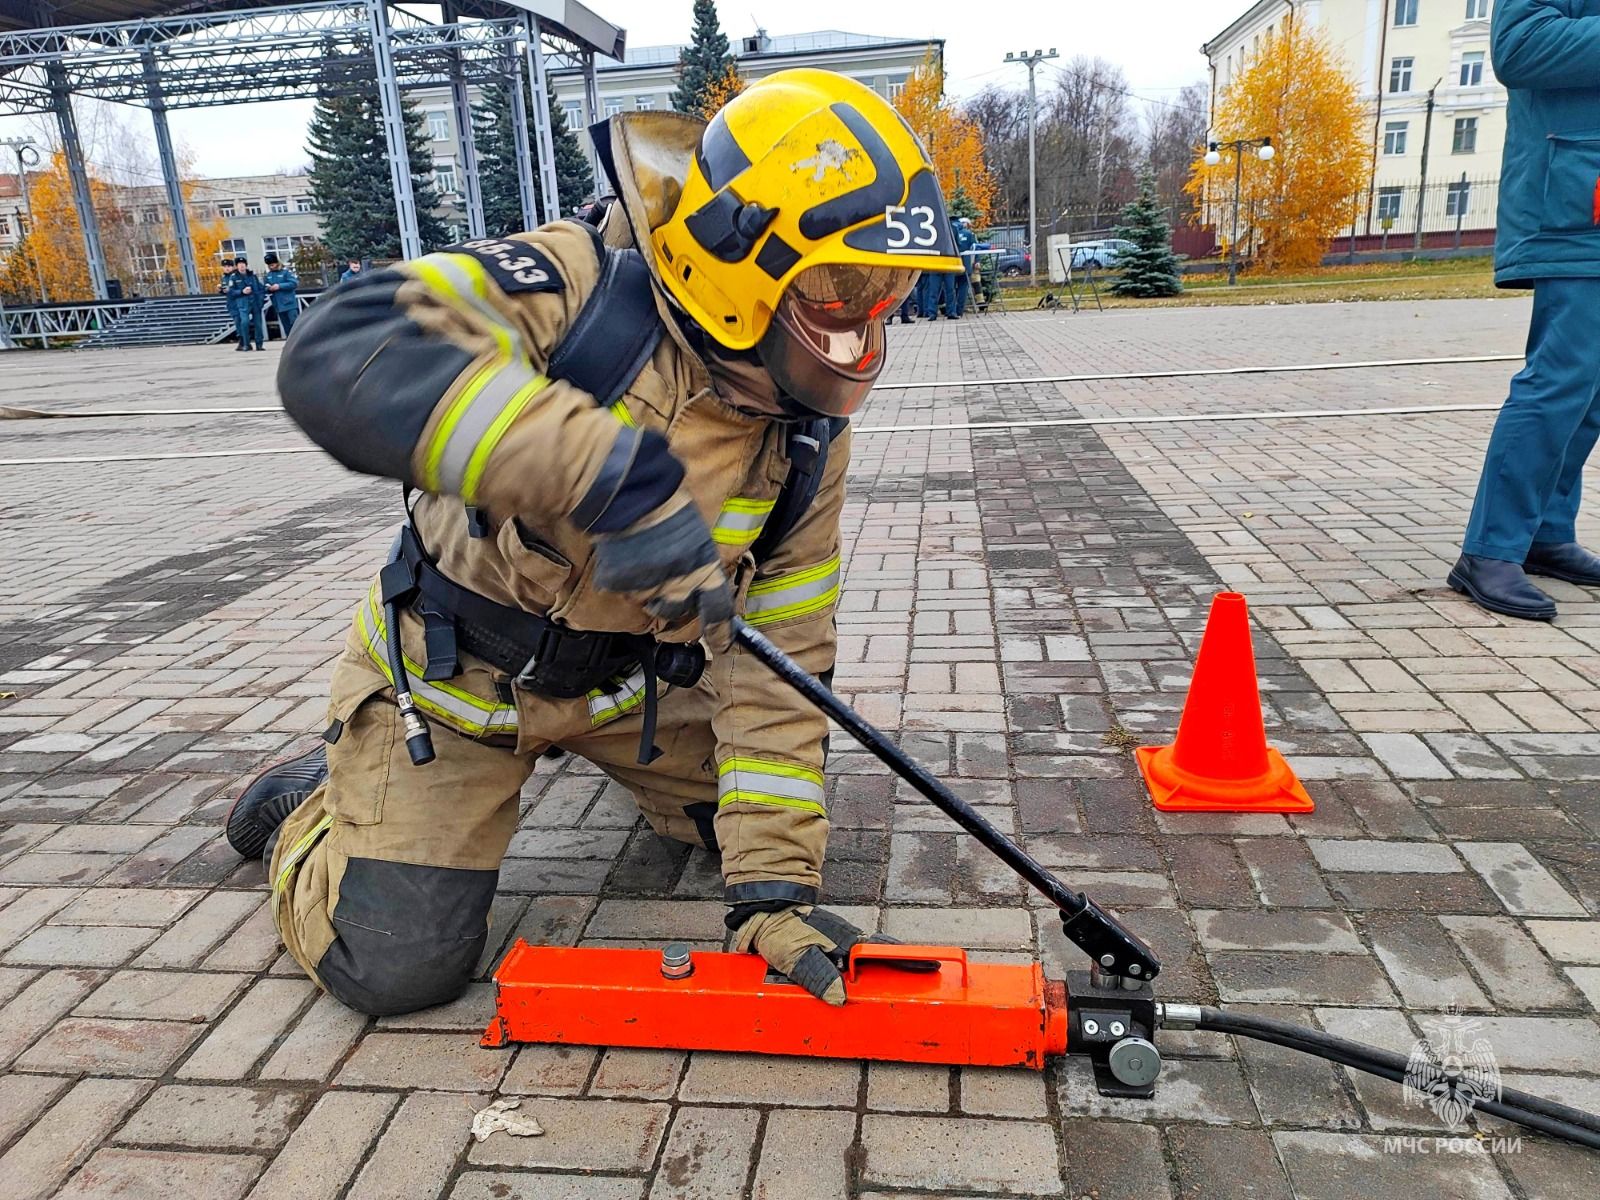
1501	587
1564	560
253	821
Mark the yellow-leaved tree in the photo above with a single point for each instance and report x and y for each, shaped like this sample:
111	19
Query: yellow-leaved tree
51	255
720	90
1297	92
953	141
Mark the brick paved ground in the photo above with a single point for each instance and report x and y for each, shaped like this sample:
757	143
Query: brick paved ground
1019	602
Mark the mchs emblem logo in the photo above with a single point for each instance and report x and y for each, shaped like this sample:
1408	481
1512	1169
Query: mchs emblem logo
1450	1070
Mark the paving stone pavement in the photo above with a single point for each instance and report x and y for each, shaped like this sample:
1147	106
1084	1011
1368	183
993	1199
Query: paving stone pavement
1021	605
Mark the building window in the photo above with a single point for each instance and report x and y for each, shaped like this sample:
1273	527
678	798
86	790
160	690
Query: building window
444	176
150	260
230	247
896	86
1400	74
613	108
439	126
1465	140
1405	13
644	103
303	204
225	208
279	204
1389	204
1477	10
1472	68
5	225
280	244
149	216
1394	137
574	111
1457	199
252	208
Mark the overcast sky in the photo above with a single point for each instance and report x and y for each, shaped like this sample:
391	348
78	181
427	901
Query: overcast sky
1156	42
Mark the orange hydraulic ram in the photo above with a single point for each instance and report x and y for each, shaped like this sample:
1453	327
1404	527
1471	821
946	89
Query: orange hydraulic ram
964	1013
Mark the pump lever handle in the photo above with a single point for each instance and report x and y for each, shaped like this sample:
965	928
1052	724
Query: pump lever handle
1115	949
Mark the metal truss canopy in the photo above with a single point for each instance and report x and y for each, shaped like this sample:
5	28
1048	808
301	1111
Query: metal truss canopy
198	54
245	57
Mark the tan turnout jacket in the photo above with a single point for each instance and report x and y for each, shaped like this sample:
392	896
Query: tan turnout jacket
525	449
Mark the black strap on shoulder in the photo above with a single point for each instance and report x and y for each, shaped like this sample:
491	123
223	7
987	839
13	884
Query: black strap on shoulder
808	462
615	333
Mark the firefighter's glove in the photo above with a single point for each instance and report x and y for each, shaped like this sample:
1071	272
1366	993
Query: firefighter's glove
807	944
673	568
650	540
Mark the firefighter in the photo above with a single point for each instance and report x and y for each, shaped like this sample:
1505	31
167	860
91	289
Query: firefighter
597	464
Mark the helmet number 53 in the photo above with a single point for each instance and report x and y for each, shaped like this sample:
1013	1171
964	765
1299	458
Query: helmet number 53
920	230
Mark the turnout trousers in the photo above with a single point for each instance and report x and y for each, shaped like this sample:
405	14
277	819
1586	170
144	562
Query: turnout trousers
1532	477
382	880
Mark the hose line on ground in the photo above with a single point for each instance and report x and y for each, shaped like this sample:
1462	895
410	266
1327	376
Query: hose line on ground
1534	1112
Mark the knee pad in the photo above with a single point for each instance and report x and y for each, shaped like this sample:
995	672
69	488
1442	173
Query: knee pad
409	936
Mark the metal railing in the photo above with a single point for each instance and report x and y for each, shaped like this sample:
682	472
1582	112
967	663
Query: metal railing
38	325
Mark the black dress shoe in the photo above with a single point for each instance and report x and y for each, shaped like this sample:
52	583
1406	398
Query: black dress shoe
1564	560
253	821
1501	587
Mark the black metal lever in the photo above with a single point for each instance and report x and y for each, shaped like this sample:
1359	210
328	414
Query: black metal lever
1115	950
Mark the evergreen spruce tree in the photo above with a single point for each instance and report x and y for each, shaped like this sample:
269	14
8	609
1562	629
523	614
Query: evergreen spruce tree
497	161
963	205
575	181
706	58
1150	268
350	182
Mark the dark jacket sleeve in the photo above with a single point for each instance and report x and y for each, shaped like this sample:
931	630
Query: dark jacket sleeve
433	373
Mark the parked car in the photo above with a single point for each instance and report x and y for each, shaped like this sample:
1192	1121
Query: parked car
1099	255
1012	263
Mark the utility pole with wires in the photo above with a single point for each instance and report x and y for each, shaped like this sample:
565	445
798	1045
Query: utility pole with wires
27	153
1422	186
1032	61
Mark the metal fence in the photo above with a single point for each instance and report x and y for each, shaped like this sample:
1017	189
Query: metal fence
1447	213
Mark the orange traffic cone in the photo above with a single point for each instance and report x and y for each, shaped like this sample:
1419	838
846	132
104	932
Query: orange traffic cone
1221	761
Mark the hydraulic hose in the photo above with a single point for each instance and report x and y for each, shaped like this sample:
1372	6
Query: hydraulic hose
419	742
1534	1112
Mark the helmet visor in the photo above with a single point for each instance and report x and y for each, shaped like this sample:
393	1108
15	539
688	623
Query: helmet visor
824	346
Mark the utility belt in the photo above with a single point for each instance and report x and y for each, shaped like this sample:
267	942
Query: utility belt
541	656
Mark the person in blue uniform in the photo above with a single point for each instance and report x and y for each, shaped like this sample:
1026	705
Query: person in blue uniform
282	292
244	301
1547	54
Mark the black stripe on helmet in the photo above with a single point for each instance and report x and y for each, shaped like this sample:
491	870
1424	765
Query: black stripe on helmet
720	158
887	187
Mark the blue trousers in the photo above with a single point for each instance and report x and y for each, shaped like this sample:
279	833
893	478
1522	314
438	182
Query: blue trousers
963	293
1533	472
243	321
287	315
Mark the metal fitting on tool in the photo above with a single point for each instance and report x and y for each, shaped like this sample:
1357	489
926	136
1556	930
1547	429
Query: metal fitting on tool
1178	1016
1134	1062
676	961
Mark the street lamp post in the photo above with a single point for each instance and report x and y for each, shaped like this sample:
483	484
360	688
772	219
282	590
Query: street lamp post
1265	152
1031	61
27	156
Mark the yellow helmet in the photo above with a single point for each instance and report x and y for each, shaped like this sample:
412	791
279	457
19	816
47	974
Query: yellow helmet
809	209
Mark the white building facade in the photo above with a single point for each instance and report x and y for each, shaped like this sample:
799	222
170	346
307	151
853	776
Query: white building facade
1398	51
